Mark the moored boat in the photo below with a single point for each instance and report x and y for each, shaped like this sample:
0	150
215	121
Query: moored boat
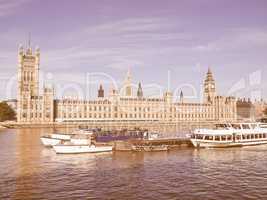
57	138
230	135
80	143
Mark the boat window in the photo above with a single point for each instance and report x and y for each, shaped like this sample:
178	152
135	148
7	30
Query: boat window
217	138
256	136
244	137
223	138
208	137
238	137
220	126
263	135
245	126
200	137
229	137
236	126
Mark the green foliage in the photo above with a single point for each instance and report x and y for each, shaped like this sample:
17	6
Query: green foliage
6	112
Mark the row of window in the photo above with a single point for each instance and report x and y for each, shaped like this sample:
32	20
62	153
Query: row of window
131	115
36	115
145	109
230	137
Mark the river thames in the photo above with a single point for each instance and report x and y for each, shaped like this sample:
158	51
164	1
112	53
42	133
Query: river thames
30	171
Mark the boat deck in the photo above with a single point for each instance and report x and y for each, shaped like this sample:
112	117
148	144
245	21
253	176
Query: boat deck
170	142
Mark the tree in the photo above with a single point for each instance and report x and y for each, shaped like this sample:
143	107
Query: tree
6	112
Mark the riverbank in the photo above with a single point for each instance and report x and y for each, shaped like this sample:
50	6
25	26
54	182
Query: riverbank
171	127
2	126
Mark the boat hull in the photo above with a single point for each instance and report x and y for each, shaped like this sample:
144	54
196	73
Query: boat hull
75	149
209	144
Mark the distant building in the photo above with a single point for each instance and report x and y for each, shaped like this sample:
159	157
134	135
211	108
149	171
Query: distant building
116	107
248	110
245	110
260	106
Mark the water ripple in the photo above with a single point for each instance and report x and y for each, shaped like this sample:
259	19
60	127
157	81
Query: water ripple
29	171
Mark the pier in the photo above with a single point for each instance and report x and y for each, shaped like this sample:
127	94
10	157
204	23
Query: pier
170	142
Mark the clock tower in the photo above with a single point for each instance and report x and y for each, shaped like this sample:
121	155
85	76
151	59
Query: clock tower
209	88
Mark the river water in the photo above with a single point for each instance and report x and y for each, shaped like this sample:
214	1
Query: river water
30	171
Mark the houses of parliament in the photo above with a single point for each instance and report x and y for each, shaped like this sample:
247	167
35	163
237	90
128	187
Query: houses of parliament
33	108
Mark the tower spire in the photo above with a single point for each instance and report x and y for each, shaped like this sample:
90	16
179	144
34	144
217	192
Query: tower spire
128	84
209	87
181	97
29	40
140	91
100	91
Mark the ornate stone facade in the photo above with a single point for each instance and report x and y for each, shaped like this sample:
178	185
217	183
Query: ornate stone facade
125	107
131	107
31	106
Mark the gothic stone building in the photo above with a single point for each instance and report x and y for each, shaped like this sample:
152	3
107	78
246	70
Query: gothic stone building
115	107
31	106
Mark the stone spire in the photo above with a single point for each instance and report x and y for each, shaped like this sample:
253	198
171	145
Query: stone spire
29	48
140	91
181	97
101	92
128	84
29	41
209	76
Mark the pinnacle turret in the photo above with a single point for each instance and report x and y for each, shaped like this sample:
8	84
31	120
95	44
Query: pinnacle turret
140	91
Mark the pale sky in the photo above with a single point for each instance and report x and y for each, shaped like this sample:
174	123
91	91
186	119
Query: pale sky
153	38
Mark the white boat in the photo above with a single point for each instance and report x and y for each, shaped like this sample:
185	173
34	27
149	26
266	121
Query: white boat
74	149
57	138
230	135
80	143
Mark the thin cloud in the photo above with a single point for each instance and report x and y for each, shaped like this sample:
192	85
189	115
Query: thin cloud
8	7
236	39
